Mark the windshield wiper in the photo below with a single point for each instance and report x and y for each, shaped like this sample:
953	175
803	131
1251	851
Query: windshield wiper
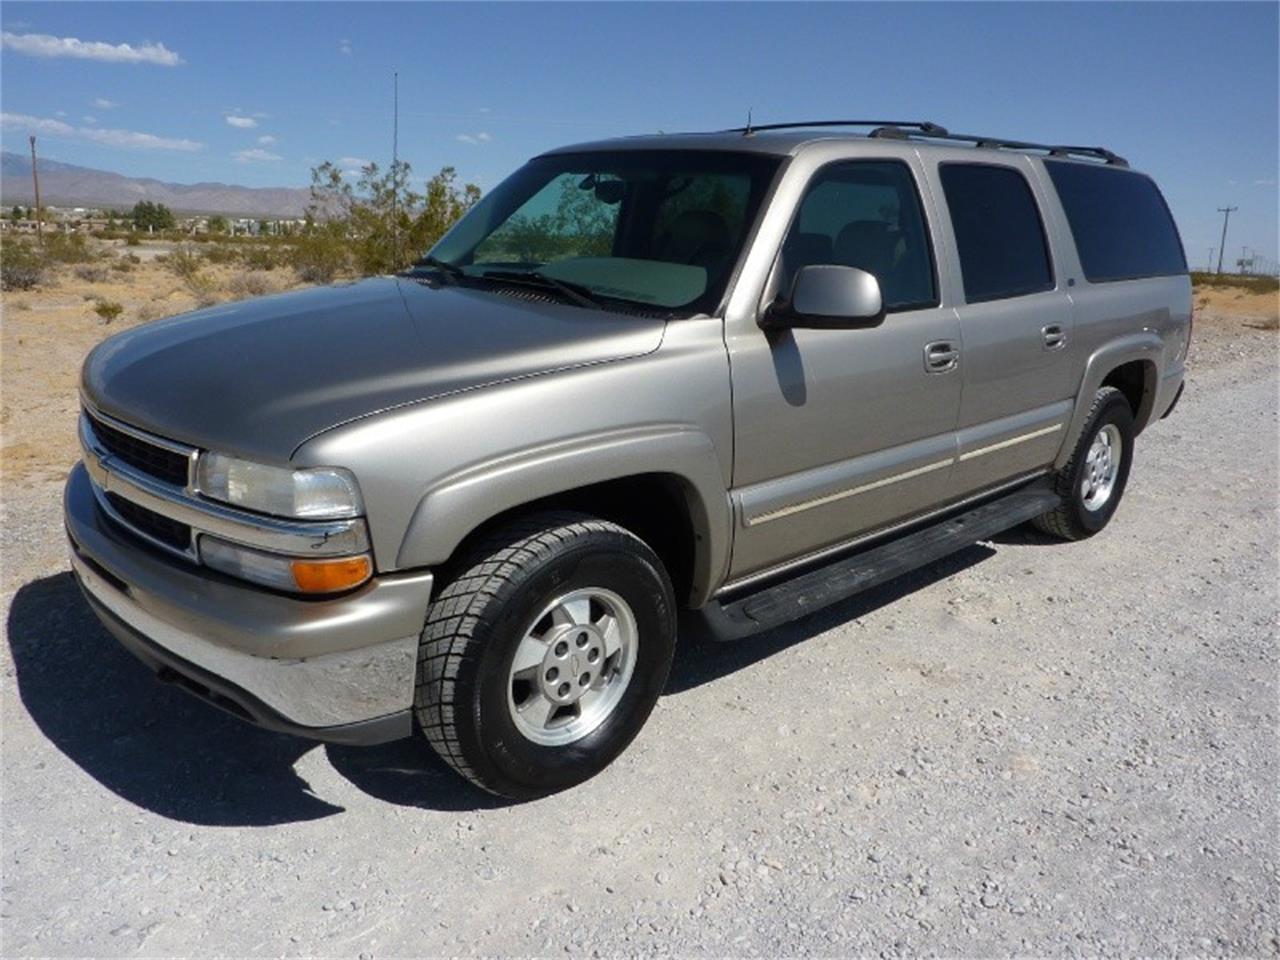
451	270
576	292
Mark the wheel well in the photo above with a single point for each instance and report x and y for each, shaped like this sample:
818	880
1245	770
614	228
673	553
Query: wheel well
658	508
1137	381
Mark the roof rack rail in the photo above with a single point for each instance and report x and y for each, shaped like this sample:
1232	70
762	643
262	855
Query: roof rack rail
924	126
909	129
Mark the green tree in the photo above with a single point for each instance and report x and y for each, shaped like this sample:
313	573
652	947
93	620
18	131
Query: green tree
381	222
218	224
151	216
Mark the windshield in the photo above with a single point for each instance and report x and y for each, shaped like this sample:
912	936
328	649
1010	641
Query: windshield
658	229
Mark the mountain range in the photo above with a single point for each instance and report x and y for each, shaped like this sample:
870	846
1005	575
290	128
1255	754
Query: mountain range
65	184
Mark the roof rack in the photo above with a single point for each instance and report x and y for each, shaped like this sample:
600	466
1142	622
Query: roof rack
924	129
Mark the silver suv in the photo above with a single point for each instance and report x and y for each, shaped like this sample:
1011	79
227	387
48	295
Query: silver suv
748	373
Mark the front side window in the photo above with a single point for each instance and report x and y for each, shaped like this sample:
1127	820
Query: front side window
865	214
998	230
658	229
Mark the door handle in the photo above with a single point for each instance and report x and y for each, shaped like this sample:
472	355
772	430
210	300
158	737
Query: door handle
1054	337
941	356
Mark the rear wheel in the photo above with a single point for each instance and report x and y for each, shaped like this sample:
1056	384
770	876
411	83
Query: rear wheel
544	654
1094	479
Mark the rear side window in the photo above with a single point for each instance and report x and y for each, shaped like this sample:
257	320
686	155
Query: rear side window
1121	224
999	234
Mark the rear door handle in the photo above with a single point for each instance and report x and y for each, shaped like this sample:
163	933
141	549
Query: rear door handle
941	356
1054	337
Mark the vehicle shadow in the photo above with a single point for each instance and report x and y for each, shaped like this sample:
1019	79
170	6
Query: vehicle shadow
168	752
702	659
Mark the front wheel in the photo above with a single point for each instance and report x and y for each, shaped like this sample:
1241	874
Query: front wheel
544	654
1094	479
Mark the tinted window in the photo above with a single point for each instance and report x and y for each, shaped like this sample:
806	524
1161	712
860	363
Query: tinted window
1120	222
998	231
865	214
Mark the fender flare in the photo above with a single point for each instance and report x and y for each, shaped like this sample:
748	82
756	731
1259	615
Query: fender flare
1146	347
457	504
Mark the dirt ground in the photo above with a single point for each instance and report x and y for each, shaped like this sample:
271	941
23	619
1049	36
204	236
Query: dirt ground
1031	748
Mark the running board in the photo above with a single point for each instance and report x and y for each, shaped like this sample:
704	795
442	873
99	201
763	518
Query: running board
804	593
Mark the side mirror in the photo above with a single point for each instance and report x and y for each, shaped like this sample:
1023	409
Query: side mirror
828	297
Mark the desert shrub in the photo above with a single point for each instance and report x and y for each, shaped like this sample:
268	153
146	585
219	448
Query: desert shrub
123	265
260	258
108	310
152	311
203	289
252	284
132	240
183	261
220	253
90	274
21	266
67	248
319	256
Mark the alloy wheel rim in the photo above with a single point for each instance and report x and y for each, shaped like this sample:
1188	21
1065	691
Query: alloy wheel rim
1101	468
572	666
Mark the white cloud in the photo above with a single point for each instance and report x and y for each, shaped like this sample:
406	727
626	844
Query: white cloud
243	123
102	103
88	119
129	139
61	113
353	161
344	47
256	155
474	139
1266	182
43	45
267	140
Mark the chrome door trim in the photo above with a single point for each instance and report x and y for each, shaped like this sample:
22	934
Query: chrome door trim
1012	441
842	494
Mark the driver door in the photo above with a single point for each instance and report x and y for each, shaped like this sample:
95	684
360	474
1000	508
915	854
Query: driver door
841	432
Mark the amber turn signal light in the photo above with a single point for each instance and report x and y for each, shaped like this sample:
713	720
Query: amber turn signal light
330	576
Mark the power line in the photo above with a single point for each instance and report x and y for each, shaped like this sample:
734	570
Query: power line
1226	217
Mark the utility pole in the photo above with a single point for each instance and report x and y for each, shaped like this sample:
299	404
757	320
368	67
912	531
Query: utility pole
35	180
1226	217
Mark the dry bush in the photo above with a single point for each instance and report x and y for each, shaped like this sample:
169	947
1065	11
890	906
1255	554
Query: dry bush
152	311
67	248
21	266
220	253
260	257
122	266
253	284
203	289
90	274
108	310
183	261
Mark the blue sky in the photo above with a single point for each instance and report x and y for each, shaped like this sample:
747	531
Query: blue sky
258	93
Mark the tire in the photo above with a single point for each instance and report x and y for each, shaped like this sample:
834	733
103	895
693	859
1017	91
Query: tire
485	718
1081	515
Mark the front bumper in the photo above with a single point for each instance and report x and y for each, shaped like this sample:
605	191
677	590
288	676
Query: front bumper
338	669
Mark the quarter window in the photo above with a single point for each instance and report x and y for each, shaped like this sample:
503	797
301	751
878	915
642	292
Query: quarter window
1120	222
865	214
998	230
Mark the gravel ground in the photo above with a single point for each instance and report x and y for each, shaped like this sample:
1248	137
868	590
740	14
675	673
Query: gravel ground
1030	748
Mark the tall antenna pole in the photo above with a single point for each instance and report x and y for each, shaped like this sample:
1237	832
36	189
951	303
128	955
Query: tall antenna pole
395	164
1226	217
35	179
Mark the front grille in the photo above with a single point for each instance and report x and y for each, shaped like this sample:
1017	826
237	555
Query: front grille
156	461
161	528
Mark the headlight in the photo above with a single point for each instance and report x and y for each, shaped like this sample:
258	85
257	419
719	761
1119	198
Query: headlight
316	493
294	574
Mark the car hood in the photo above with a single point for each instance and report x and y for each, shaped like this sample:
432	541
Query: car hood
259	377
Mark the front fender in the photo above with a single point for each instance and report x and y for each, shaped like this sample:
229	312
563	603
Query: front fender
1146	347
458	503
